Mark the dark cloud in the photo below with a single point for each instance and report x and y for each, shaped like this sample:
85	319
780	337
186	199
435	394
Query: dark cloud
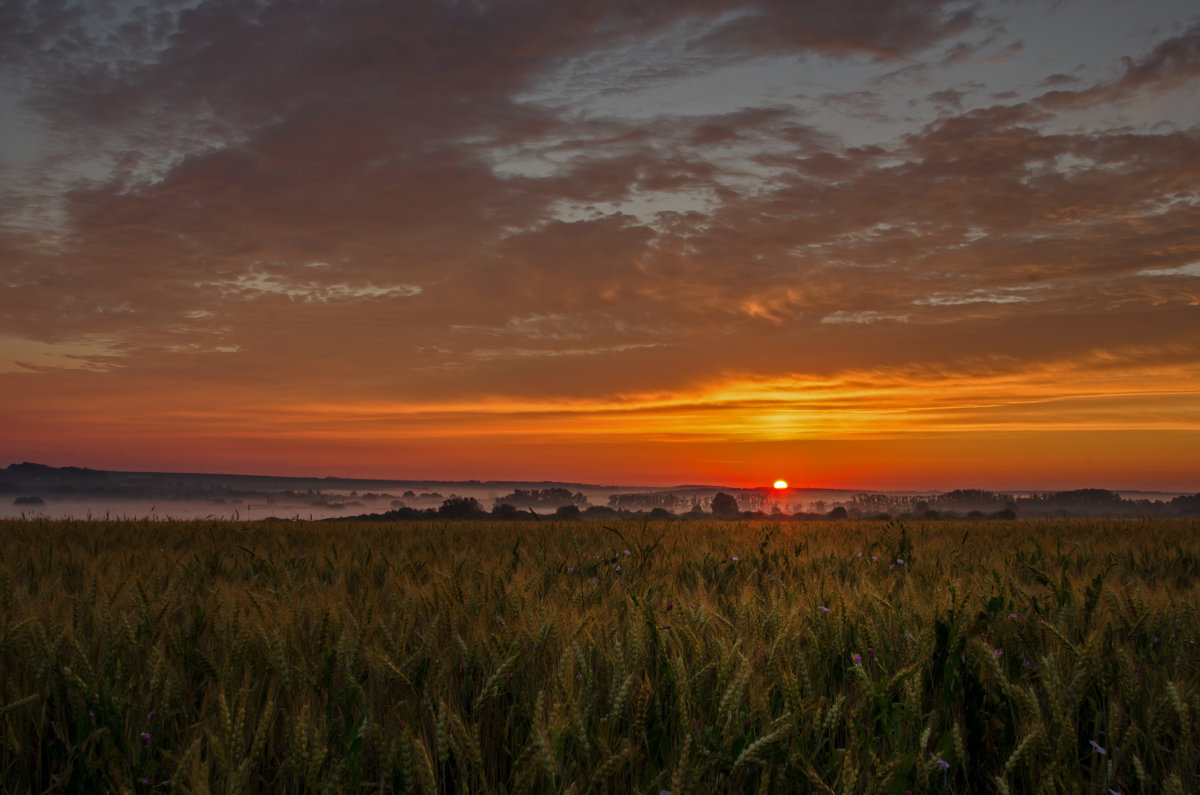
886	29
1171	64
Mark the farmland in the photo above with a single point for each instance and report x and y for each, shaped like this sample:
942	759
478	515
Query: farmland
553	656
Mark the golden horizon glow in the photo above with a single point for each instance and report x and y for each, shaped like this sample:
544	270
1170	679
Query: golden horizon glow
971	408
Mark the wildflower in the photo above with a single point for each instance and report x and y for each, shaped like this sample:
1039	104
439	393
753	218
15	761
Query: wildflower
1098	748
627	553
149	716
860	554
1013	616
900	561
618	567
92	715
875	557
670	606
871	651
942	763
578	677
734	558
823	608
145	738
997	653
856	658
147	782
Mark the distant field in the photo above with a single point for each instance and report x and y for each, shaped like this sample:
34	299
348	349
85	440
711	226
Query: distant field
1055	656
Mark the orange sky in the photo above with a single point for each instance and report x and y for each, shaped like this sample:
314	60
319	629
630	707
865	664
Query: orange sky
920	246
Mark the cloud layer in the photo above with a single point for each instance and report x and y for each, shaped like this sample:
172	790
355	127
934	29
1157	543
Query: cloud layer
626	207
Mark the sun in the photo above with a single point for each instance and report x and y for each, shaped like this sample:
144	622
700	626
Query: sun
781	484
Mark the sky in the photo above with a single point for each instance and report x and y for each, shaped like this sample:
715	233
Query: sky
888	244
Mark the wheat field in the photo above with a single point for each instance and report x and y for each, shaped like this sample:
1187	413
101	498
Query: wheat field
573	657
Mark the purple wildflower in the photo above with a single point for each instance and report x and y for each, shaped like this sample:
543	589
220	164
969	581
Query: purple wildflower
149	716
823	608
145	738
856	658
1098	748
997	653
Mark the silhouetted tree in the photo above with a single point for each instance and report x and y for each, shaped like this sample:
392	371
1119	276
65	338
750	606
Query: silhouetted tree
505	511
724	504
460	508
838	513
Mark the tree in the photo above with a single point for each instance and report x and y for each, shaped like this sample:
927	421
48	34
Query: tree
724	504
460	508
505	511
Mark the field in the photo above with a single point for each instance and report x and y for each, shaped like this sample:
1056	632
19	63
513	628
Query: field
1052	656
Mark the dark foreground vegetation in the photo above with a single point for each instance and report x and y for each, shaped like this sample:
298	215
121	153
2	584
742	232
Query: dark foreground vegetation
556	656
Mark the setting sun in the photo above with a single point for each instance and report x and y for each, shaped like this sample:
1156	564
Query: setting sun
781	484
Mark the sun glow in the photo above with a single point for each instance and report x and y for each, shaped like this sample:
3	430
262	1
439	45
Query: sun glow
781	484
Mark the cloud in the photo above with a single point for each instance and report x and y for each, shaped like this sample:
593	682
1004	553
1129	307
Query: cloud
92	353
865	318
257	284
1171	64
554	353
